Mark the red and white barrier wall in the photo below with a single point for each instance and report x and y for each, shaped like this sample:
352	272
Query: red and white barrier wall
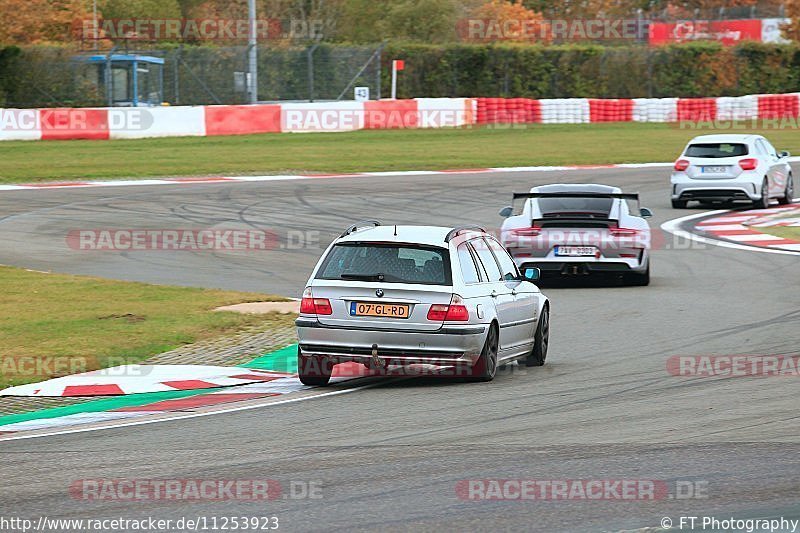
588	110
142	122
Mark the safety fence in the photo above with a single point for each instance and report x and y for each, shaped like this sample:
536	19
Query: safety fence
143	122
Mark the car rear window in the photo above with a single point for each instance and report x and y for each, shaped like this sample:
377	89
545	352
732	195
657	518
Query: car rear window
389	263
550	206
716	150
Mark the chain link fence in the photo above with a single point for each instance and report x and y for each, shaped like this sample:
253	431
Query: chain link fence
196	75
192	75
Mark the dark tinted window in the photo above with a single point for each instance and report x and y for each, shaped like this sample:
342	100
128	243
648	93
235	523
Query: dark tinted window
575	205
390	263
509	269
486	258
716	150
468	269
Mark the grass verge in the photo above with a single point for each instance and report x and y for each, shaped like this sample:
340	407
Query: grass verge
55	324
385	150
785	232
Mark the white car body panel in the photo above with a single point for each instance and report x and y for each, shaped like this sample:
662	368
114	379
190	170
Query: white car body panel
614	255
732	183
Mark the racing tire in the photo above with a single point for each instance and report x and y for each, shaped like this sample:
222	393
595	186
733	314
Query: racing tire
541	341
788	195
679	204
763	202
313	371
485	369
640	280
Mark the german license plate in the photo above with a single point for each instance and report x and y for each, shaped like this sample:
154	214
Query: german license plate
381	310
576	251
715	170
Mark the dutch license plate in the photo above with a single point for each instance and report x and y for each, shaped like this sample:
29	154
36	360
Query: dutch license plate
715	170
576	251
381	310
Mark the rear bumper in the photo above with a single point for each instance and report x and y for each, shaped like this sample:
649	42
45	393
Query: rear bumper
580	268
744	187
452	344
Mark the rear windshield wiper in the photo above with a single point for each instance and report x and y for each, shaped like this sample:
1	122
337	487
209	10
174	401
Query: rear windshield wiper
364	277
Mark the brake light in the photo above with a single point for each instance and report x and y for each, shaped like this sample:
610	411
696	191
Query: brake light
314	306
681	165
748	164
455	312
533	231
437	312
623	232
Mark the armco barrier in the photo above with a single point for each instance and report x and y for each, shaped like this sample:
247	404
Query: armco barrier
242	119
78	123
391	114
135	123
142	122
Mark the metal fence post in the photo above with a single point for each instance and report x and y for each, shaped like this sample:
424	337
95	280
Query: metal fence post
310	55
176	84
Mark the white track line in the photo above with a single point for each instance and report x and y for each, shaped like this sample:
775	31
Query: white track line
192	415
673	227
82	184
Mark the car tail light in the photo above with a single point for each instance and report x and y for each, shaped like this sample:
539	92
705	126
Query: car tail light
748	164
681	165
623	232
314	306
456	311
533	231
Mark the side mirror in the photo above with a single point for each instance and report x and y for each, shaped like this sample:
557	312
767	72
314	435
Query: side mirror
785	154
645	213
532	274
507	211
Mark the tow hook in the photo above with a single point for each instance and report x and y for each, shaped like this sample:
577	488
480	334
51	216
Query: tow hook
376	361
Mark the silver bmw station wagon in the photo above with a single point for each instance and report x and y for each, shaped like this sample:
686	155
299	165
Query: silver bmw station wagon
389	296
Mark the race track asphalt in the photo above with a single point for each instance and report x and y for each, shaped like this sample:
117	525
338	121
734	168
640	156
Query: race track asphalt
389	457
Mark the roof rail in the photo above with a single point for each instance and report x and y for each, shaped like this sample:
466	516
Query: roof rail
357	225
458	229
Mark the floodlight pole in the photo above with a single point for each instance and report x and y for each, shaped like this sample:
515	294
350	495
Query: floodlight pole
94	24
253	52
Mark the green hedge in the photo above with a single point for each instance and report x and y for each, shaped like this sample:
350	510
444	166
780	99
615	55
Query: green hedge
574	71
45	76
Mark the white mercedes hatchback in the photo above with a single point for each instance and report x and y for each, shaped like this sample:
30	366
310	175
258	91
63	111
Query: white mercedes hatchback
729	168
389	296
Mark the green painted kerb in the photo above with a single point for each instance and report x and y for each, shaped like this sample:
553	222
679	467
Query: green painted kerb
283	360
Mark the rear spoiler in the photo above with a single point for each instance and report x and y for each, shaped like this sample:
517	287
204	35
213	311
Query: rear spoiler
620	195
615	195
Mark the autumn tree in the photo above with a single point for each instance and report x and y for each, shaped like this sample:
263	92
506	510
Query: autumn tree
509	20
39	21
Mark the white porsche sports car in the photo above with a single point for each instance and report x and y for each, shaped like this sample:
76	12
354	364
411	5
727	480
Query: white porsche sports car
579	229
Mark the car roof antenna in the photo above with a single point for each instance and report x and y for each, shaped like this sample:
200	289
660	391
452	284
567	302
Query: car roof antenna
395	230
